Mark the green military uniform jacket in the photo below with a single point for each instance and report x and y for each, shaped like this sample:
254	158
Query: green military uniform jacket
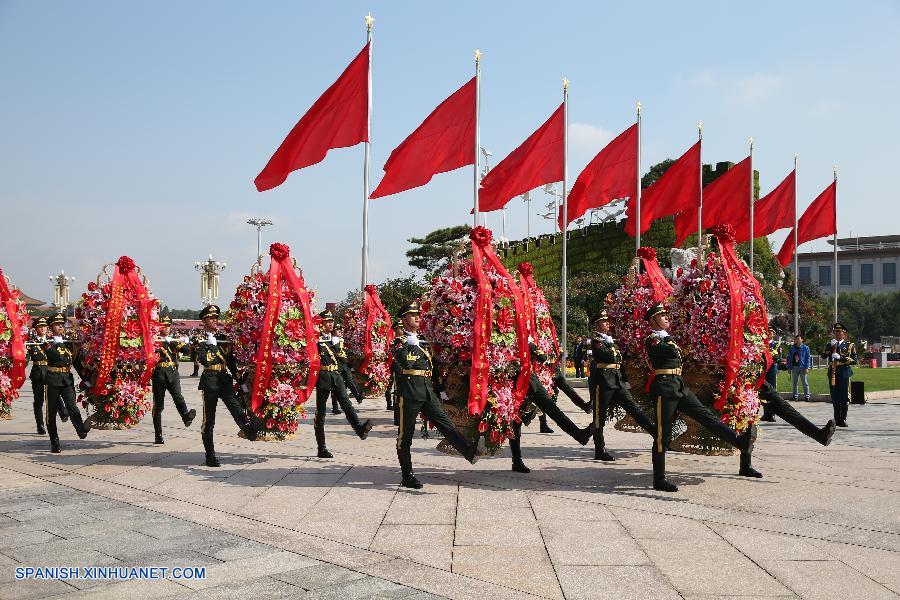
605	353
847	350
59	356
166	369
330	377
218	378
664	353
38	359
412	368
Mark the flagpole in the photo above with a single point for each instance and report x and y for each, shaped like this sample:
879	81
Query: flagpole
477	128
565	220
700	211
796	269
835	278
637	238
751	204
365	241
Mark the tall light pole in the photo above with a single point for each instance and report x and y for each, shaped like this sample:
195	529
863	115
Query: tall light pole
259	224
209	279
61	290
527	198
550	188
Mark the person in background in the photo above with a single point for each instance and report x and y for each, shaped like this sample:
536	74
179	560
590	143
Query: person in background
799	362
578	356
772	380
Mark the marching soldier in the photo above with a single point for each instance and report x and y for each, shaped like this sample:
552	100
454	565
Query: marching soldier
217	383
38	373
607	385
60	384
415	394
331	383
540	397
671	394
841	355
337	340
389	392
166	378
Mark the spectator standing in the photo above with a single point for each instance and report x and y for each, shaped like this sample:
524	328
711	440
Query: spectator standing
799	361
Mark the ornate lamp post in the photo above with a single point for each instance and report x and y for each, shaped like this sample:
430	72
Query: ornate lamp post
61	290
209	279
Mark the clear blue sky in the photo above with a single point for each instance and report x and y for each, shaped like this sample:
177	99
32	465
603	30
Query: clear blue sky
138	127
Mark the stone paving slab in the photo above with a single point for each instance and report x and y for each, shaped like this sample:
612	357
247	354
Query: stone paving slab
276	522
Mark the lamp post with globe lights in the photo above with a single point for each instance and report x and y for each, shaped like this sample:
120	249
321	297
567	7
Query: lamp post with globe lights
209	279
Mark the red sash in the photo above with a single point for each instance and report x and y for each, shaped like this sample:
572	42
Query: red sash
17	341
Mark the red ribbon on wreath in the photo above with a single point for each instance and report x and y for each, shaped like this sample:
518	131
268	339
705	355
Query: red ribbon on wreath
662	289
17	340
374	308
281	269
732	358
526	281
478	379
124	278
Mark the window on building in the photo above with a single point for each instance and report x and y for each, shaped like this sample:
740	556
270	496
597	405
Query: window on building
824	275
889	273
846	274
804	274
866	274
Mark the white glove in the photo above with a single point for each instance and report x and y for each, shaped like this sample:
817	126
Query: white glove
834	342
169	339
412	339
57	339
835	356
335	339
211	340
445	397
185	340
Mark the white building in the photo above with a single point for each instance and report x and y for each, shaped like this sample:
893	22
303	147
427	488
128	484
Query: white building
865	264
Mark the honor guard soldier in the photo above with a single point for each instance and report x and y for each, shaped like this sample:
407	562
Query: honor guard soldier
607	385
60	384
217	383
415	394
841	355
38	373
166	378
670	394
331	383
540	397
337	341
390	391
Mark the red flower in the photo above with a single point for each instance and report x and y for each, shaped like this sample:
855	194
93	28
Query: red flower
647	253
481	236
132	328
457	340
92	286
279	251
526	269
679	272
504	320
270	423
456	310
125	264
294	329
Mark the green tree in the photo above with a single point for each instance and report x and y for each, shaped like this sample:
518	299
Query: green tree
435	250
655	172
394	293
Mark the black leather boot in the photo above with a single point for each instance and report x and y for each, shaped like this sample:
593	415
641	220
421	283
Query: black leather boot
188	417
600	452
515	446
319	429
157	428
659	473
81	427
826	433
363	429
409	480
335	409
39	419
211	458
747	469
54	446
544	427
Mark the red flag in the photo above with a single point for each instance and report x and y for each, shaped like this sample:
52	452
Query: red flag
443	142
339	118
677	190
610	175
725	200
537	161
773	212
819	220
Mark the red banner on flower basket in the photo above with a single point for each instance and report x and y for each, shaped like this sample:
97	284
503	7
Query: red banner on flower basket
13	331
272	329
367	327
119	322
540	326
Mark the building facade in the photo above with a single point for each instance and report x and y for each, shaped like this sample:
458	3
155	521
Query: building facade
865	264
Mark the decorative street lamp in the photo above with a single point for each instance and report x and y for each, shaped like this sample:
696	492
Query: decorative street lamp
209	279
259	224
550	188
61	290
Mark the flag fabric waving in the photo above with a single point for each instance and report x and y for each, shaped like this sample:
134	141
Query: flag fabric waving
773	212
338	119
443	142
677	190
725	200
819	220
610	175
537	161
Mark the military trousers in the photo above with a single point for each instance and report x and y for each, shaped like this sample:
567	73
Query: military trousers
671	396
602	398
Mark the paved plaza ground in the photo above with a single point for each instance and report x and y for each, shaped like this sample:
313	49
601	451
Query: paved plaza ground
275	522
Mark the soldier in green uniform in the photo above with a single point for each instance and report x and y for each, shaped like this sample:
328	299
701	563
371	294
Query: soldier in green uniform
841	356
217	383
540	398
415	394
607	385
60	384
331	383
166	378
38	373
337	341
389	392
670	394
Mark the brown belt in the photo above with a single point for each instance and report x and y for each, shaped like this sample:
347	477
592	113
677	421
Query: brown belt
215	367
165	364
416	372
667	372
59	369
39	363
328	368
607	365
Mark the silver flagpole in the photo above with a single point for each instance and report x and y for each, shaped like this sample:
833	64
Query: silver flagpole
751	204
565	220
700	210
834	279
477	128
637	238
796	270
365	244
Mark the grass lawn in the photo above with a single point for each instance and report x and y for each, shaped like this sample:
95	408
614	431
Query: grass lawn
876	380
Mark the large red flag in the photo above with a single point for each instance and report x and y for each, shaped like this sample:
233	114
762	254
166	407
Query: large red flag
725	200
677	190
443	142
773	212
819	220
610	175
339	118
537	161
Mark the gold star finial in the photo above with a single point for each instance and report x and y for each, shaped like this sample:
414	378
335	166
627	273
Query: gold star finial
639	107
700	125
478	54
370	20
565	83
751	142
